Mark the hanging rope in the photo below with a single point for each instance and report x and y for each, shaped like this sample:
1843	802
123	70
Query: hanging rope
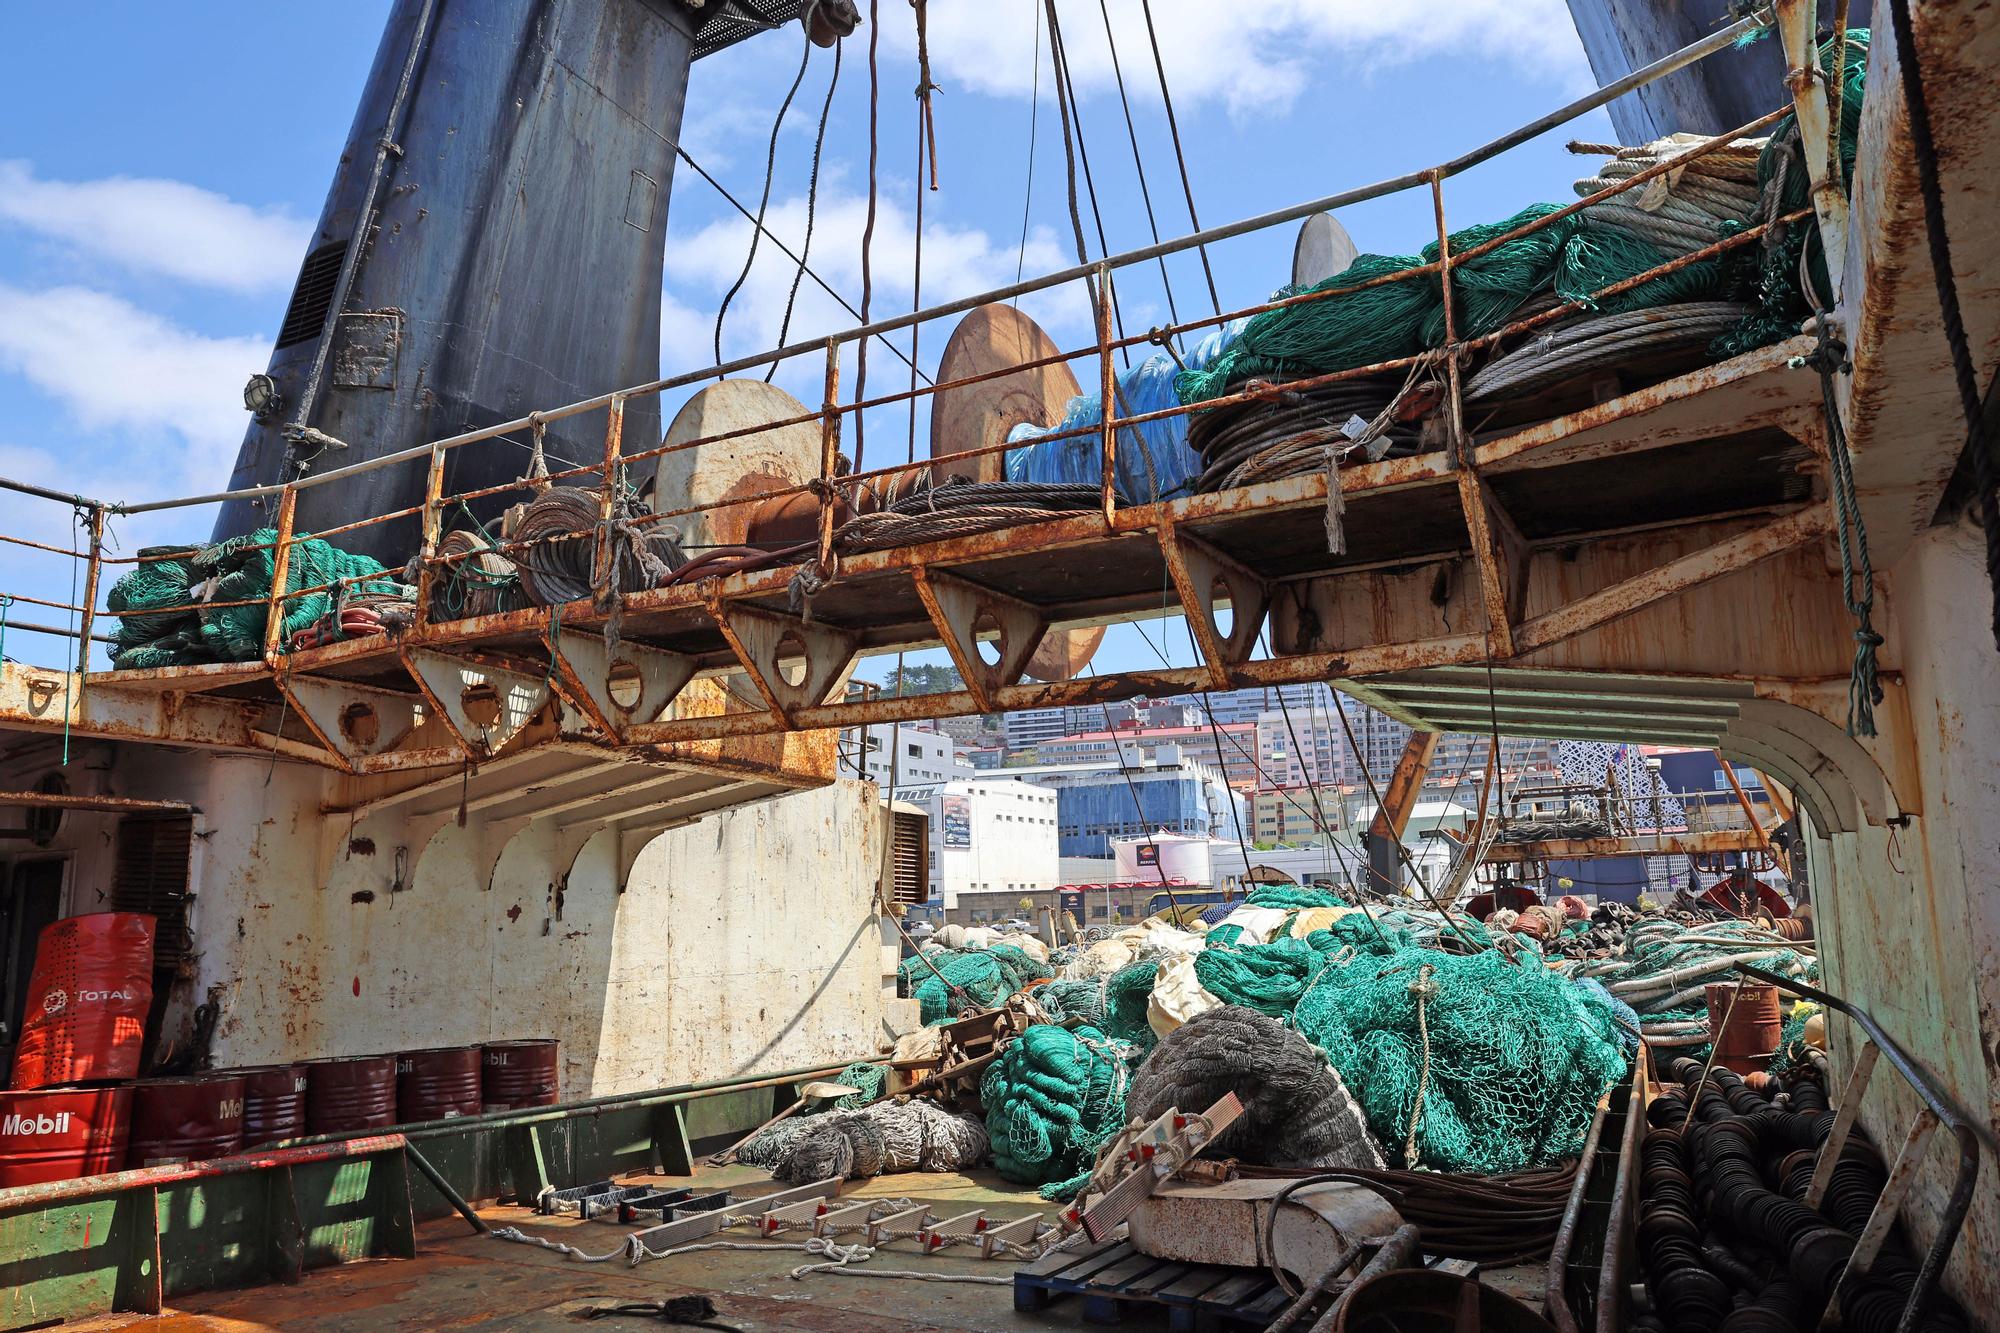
764	203
1028	189
926	119
1138	162
1180	158
1857	571
1072	120
868	238
1985	476
812	208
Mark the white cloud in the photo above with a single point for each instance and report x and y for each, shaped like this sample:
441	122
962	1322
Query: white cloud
1249	57
118	368
159	226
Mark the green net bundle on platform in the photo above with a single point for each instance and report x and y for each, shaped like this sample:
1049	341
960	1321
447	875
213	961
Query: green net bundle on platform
181	606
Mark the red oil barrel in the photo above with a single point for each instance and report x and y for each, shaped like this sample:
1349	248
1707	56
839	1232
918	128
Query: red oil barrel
350	1094
437	1083
185	1119
274	1103
519	1073
1750	1038
62	1133
87	999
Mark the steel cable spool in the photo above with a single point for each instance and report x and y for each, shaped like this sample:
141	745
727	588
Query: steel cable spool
1577	347
1287	435
979	415
956	507
556	542
473	578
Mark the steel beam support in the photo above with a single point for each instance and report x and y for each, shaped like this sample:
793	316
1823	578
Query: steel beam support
583	667
1196	569
759	638
1500	554
354	721
957	608
1627	596
455	684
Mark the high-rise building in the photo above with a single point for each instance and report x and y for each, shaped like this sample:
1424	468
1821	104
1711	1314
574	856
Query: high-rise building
905	754
1026	726
1230	748
1099	801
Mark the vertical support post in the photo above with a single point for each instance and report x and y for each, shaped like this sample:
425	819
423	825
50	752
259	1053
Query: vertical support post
670	1140
1454	415
281	569
1843	1122
1392	817
1108	393
433	529
829	455
1819	128
526	1165
90	576
604	576
149	1292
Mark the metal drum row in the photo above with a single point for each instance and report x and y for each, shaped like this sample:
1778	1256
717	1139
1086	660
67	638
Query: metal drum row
62	1133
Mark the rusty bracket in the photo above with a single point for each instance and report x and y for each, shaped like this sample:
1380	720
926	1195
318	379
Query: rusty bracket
650	680
1501	554
763	641
354	721
1197	570
959	610
484	706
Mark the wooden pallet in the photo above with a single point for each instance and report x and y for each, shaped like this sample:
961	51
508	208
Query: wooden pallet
1115	1280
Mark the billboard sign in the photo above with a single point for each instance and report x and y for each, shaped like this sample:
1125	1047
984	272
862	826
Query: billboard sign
955	822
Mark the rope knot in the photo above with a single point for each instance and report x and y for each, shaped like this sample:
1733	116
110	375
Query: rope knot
1424	987
1867	638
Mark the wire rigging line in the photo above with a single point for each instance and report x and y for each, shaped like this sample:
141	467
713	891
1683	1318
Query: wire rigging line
1174	130
812	206
926	120
1034	118
868	241
792	255
1138	162
917	259
770	169
1073	119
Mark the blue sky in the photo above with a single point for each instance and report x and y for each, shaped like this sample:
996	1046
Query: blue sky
152	214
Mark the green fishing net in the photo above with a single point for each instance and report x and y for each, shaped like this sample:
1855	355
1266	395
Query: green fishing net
985	976
1052	1098
1507	1057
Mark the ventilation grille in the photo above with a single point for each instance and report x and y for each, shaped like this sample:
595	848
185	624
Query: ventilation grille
313	297
152	877
909	868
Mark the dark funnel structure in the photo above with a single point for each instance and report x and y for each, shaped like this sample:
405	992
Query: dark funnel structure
492	243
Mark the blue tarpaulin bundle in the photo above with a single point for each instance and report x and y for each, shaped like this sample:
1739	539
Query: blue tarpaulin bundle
1154	460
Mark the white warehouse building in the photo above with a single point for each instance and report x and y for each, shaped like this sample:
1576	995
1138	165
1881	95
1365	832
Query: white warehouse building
992	842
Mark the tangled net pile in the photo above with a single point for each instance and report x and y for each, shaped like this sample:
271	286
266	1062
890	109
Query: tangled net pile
1401	316
202	582
944	980
1663	967
1297	1112
907	1134
1465	1062
1052	1098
